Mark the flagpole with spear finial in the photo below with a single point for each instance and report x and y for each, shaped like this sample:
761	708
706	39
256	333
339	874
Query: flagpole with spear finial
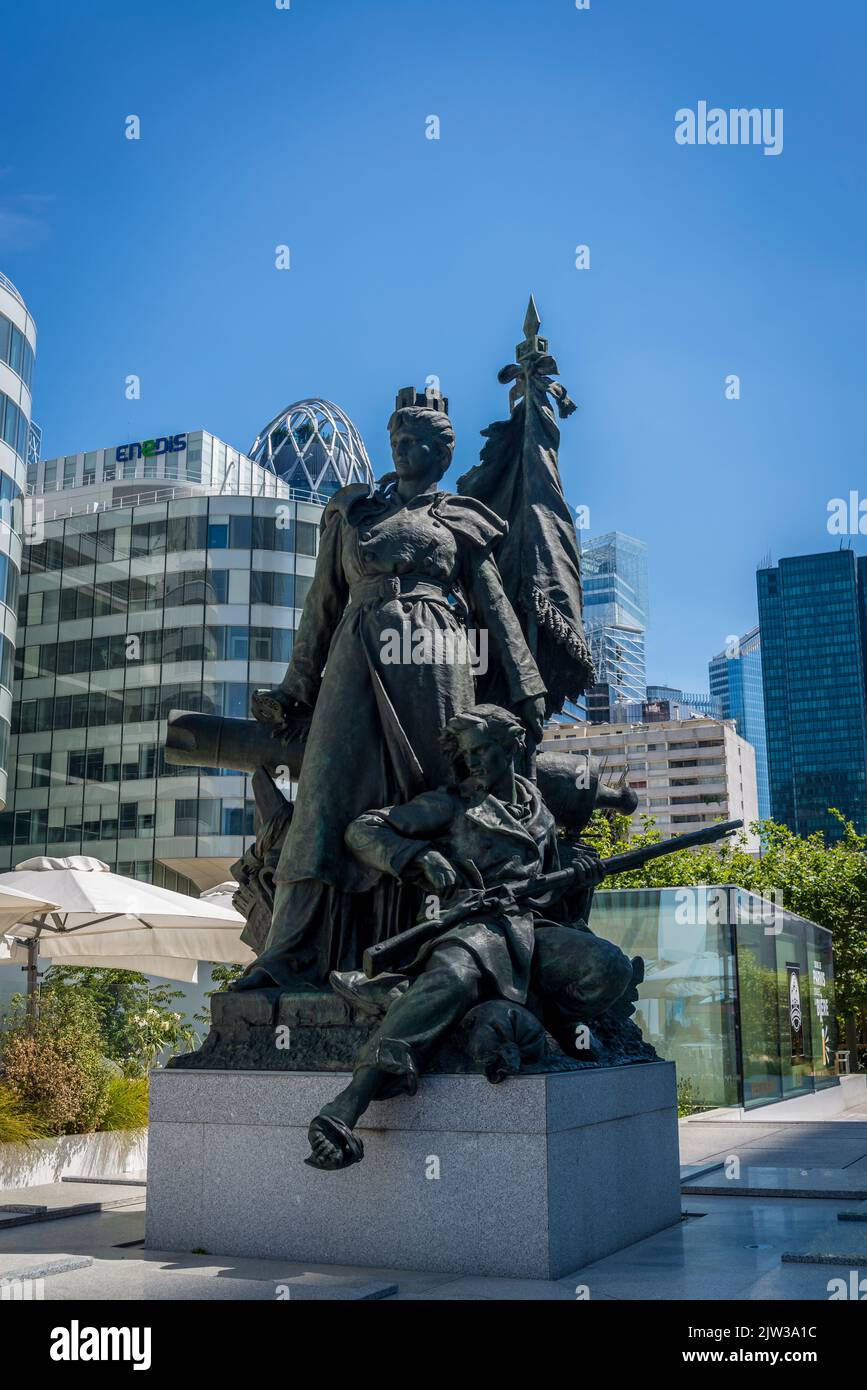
527	354
518	477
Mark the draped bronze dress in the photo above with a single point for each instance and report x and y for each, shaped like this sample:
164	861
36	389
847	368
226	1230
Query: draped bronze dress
385	567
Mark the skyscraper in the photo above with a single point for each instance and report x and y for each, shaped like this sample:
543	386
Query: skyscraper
736	682
17	437
813	622
615	618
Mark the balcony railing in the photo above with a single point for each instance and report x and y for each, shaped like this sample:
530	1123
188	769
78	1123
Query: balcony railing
8	285
158	494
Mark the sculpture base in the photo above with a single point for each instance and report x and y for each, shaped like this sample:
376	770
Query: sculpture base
532	1178
273	1030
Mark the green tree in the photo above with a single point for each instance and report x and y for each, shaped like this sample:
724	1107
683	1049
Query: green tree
221	977
136	1020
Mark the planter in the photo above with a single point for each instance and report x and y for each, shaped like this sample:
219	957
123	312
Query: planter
105	1154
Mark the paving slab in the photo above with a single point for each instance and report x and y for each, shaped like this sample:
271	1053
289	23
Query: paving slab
134	1179
494	1291
789	1283
839	1243
365	1290
831	1183
805	1144
856	1114
850	1254
53	1201
152	1281
839	1148
29	1268
101	1258
701	1141
732	1251
784	1158
689	1171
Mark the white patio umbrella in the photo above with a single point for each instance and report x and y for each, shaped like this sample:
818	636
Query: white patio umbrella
10	954
223	893
14	905
91	916
165	967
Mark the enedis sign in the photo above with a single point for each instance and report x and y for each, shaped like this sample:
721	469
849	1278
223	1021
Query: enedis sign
151	448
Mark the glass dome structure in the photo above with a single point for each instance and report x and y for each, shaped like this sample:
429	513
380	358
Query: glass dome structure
313	446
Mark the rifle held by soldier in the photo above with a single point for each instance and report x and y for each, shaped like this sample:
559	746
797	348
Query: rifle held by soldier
387	954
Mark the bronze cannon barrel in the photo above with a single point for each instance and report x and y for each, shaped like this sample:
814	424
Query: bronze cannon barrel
569	783
210	740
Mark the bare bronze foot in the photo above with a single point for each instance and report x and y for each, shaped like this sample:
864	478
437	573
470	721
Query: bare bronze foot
332	1144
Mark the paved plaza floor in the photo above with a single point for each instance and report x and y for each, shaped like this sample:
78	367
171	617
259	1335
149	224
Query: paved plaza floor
731	1244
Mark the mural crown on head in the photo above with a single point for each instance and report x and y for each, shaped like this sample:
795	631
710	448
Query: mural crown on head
429	399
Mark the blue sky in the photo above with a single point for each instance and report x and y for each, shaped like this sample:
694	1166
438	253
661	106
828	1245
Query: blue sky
413	256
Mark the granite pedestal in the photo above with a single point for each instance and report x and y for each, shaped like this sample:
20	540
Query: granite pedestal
531	1178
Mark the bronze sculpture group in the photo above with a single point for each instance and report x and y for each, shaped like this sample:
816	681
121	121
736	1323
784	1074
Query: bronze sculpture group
421	797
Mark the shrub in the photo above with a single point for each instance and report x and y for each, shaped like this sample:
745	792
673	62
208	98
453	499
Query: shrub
17	1125
689	1101
55	1069
127	1103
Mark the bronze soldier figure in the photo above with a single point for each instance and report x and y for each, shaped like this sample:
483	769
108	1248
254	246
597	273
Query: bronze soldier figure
489	826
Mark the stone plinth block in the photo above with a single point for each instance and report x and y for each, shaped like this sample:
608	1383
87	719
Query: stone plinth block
532	1178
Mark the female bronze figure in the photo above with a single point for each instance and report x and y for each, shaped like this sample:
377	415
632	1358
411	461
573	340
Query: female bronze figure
403	558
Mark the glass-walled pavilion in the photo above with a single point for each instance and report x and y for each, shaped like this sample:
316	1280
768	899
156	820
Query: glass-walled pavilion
738	992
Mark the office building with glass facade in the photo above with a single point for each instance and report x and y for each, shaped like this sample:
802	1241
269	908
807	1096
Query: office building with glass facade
738	992
17	358
735	677
614	569
150	591
814	676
